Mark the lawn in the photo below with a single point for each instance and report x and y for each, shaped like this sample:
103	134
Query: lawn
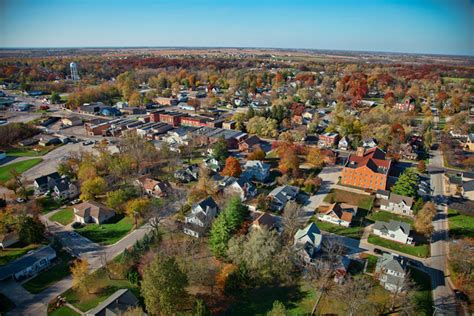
460	225
64	311
10	254
388	216
419	250
54	274
364	202
423	298
5	304
63	217
371	263
48	204
20	167
107	234
29	152
351	232
107	287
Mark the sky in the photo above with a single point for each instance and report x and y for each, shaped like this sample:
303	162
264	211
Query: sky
411	26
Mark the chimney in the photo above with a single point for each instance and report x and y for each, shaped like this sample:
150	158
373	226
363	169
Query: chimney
360	152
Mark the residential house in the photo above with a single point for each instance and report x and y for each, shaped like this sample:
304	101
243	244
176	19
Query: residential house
240	187
407	106
408	152
468	145
397	204
92	212
45	183
248	144
382	194
116	304
187	174
256	169
367	169
391	272
65	189
393	230
229	125
337	213
328	140
152	187
307	241
71	121
344	143
29	264
212	164
8	239
264	220
28	142
369	142
282	195
201	217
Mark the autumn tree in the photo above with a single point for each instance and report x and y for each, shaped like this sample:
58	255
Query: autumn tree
232	167
257	153
421	166
137	209
93	187
82	278
315	158
423	223
292	218
461	261
163	286
206	186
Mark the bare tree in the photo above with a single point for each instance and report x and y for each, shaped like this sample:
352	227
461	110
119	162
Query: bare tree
292	219
354	293
403	296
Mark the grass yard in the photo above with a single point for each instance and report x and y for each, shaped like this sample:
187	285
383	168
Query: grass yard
364	202
351	232
29	151
54	274
20	167
63	217
388	216
456	79
107	234
460	225
423	297
48	204
371	263
64	311
10	254
419	250
106	287
5	304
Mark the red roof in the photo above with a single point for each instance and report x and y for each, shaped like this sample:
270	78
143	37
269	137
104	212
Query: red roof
373	159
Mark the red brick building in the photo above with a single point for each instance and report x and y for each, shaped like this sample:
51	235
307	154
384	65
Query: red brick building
367	169
171	118
195	121
328	140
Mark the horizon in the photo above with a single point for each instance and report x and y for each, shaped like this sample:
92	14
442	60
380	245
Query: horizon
390	26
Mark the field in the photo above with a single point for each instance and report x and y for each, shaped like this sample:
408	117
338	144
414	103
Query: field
388	216
20	167
107	234
10	254
63	217
419	250
460	225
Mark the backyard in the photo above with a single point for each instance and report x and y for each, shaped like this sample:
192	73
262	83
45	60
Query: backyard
63	216
354	232
363	202
388	216
108	233
460	225
20	167
422	250
15	252
64	311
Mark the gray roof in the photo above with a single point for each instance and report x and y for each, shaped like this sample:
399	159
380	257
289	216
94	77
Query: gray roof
116	304
284	193
392	226
396	198
25	261
391	262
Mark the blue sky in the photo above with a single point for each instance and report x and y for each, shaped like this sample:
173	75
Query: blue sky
420	26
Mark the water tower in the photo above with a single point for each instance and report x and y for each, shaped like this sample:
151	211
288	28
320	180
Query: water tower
74	73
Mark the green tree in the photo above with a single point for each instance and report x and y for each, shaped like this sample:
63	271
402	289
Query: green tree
219	150
137	208
116	199
55	98
163	286
31	230
200	308
92	188
278	309
407	184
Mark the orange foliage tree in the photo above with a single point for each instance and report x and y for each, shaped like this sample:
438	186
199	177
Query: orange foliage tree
232	167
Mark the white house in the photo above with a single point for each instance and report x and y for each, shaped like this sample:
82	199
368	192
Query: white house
391	272
338	214
369	143
201	217
256	169
397	204
65	189
393	230
29	264
281	195
240	187
308	241
8	239
344	143
92	212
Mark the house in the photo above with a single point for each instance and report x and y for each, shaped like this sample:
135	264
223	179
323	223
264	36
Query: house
344	143
8	239
328	140
307	241
45	183
391	272
256	169
47	140
241	187
116	304
407	106
229	125
382	194
329	156
369	142
393	230
187	174
337	213
92	212
212	164
29	264
152	187
202	215
469	144
265	220
367	169
248	144
65	189
71	121
28	142
282	195
397	204
408	152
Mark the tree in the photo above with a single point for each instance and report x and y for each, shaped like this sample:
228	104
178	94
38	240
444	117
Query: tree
12	185
163	286
137	208
421	166
116	199
353	293
31	230
55	98
292	219
257	153
81	276
266	127
407	184
404	296
93	187
462	262
289	162
219	150
423	223
315	158
278	309
232	167
200	308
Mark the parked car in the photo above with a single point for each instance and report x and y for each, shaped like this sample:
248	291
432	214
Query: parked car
88	143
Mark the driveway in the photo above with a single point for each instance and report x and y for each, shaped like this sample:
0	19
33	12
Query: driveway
330	176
